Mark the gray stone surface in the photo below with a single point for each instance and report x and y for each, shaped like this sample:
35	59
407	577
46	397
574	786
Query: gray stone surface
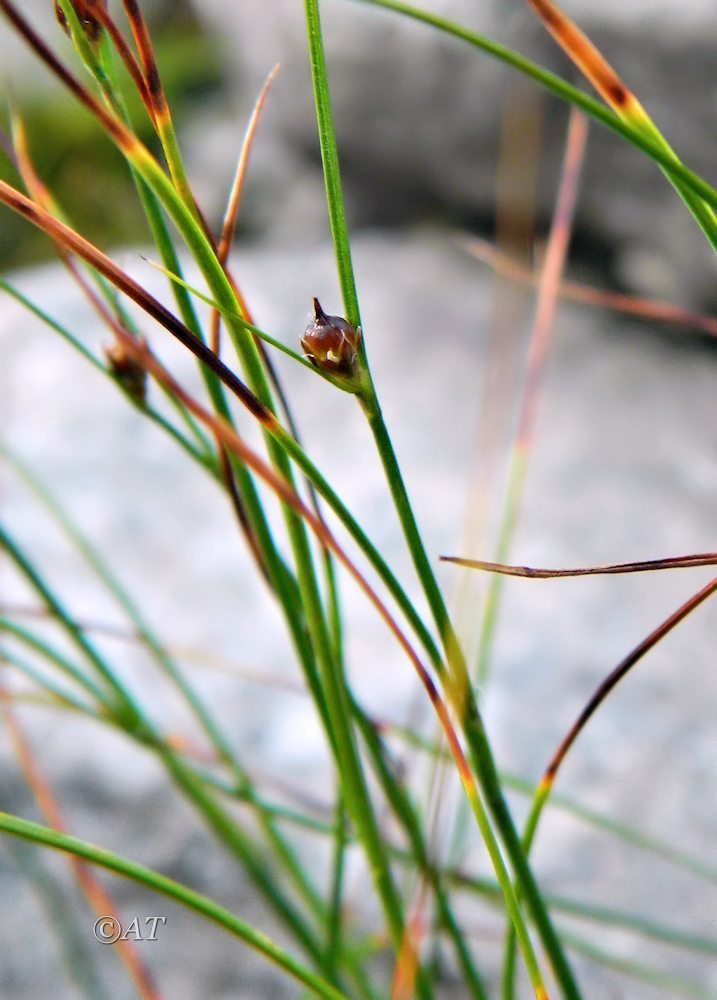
418	116
623	467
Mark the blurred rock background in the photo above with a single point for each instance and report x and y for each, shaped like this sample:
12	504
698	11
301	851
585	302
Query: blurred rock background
419	118
623	464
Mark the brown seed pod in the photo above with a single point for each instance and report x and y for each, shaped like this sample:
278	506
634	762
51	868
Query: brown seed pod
128	371
331	343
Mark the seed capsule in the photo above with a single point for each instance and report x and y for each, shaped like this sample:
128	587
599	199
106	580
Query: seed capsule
130	374
331	343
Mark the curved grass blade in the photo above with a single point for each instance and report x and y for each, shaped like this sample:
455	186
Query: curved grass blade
99	899
457	682
231	440
619	672
545	786
650	565
17	827
235	195
565	91
620	98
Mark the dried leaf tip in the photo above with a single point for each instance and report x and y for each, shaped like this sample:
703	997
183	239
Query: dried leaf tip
331	345
84	10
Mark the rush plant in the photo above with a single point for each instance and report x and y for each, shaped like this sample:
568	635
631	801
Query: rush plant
303	560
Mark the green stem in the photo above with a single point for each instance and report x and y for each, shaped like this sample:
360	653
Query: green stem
330	161
147	636
24	829
59	695
457	680
405	812
126	708
463	699
132	719
531	824
238	842
372	410
48	652
335	916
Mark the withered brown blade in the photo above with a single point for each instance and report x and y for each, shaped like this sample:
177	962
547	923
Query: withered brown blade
676	562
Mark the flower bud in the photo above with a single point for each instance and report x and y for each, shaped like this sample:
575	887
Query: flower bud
331	344
128	372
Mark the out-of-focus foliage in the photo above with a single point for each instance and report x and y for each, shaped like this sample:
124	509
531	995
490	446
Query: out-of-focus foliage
85	172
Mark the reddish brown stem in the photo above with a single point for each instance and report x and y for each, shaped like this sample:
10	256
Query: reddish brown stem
656	309
619	672
677	562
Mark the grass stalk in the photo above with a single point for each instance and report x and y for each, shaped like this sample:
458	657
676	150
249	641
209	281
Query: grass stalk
458	685
133	720
201	712
544	788
300	561
34	832
126	707
560	88
621	99
98	898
